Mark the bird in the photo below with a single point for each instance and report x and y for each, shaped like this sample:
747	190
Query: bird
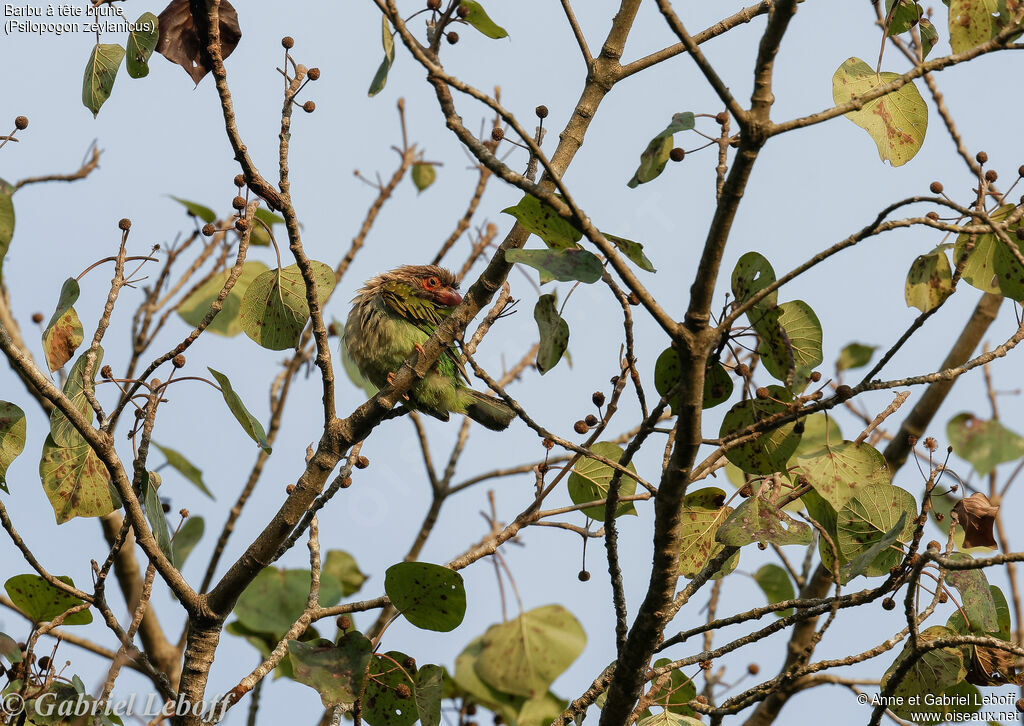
392	315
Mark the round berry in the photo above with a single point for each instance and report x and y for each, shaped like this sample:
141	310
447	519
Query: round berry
239	181
888	604
763	393
21	123
288	42
462	11
452	37
344	622
580	427
583	575
541	111
37	318
677	154
208	230
309	107
409	664
497	133
753	669
590	420
433	5
124	224
313	74
844	392
932	215
346	482
362	462
241	224
815	376
238	203
991	175
178	361
402	691
597	398
107	372
290	489
981	157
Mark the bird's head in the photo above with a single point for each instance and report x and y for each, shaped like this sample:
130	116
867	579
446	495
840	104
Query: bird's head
416	291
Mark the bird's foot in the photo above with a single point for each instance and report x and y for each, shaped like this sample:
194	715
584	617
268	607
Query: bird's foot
391	382
419	348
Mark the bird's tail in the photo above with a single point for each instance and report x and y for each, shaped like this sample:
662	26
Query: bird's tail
488	411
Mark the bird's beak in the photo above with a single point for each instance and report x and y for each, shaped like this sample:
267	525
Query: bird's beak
449	297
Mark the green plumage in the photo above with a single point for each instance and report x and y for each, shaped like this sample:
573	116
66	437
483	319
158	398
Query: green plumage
398	310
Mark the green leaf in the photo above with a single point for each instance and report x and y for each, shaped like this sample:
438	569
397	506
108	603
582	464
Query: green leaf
759	520
186	539
590	479
196	210
897	121
9	649
791	339
276	598
226	322
975	595
63	433
903	15
563	265
990	265
63	334
634	251
868	517
75	481
100	72
430	596
838	471
13	432
674	695
769	451
342	567
932	673
429	692
753	273
185	467
524	656
669	718
140	45
861	563
540	218
703	512
381	77
929	281
655	156
423	175
155	513
479	20
6	221
259	235
274	309
668	369
929	36
41	602
985	444
776	586
855	355
972	22
249	424
819	430
381	704
336	672
554	333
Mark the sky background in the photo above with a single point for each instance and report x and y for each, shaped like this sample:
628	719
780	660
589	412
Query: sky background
161	136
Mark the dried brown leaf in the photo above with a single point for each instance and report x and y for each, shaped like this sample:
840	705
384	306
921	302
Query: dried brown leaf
976	514
179	40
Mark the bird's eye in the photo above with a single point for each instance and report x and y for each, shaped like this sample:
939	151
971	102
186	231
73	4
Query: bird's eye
431	283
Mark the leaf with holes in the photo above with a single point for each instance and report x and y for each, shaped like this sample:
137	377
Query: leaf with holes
769	451
141	44
985	444
554	333
41	602
541	219
75	481
13	432
929	281
902	15
382	705
61	429
194	308
274	308
837	471
702	513
480	20
430	597
753	273
249	423
973	22
564	265
654	158
100	72
63	334
992	266
758	520
590	479
336	672
380	78
524	656
776	586
896	122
